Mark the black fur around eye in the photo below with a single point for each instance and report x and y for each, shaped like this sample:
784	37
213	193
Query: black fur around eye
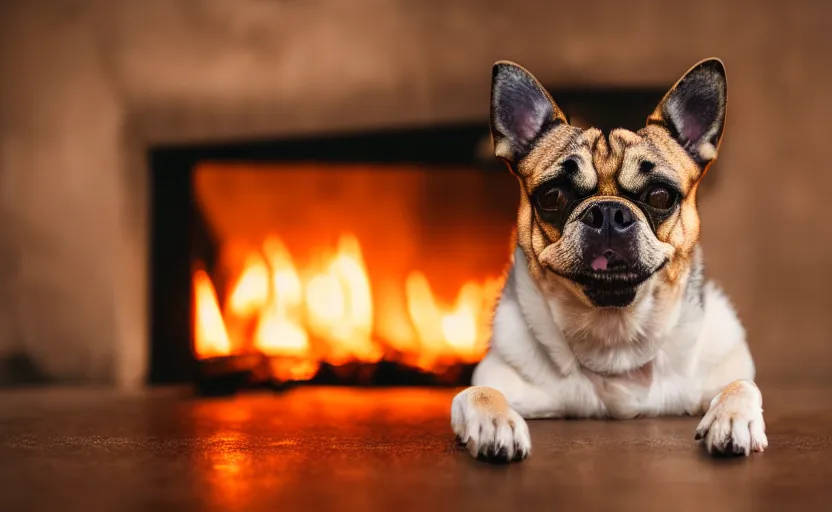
660	197
552	199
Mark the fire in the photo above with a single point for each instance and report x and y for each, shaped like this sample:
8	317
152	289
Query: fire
325	312
210	335
459	331
339	306
252	289
279	330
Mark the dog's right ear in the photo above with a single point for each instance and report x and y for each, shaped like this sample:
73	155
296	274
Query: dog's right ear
521	110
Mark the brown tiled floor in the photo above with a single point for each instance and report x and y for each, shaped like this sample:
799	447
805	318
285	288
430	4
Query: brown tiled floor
347	449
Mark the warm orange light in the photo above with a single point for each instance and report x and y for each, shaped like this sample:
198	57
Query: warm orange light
459	331
251	291
459	326
285	282
424	313
279	331
210	336
286	369
277	335
326	313
339	306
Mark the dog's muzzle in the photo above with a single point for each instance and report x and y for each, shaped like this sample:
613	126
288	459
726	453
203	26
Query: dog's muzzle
610	254
609	236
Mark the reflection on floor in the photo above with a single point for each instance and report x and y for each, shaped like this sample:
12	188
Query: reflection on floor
382	449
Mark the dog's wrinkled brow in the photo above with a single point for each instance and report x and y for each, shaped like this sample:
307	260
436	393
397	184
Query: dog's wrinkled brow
549	148
546	161
620	161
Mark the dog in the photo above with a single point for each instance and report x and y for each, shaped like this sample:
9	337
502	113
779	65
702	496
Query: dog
605	312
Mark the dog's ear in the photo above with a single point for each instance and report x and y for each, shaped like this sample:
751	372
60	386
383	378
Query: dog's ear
693	110
521	109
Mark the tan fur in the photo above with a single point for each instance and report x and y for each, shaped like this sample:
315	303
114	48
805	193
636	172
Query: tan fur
730	390
614	168
489	400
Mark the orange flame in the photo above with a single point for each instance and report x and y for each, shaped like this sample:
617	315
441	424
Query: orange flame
459	331
210	336
251	292
339	306
279	331
327	314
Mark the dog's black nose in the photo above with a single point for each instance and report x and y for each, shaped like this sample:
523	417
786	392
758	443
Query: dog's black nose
608	215
608	235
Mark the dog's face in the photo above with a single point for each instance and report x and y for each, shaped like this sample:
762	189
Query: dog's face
608	212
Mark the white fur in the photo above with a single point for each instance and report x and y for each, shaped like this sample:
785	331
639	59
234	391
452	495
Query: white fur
497	429
550	361
734	421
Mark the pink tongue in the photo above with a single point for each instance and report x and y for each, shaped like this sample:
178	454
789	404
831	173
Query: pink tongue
599	263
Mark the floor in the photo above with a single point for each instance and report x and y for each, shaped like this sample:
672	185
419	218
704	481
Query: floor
361	449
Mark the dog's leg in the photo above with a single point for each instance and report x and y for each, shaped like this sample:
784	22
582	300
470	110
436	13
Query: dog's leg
489	417
483	420
733	422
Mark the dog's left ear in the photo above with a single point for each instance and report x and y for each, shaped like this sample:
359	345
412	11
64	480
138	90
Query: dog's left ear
693	111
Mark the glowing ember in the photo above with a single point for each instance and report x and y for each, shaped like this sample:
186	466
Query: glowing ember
326	313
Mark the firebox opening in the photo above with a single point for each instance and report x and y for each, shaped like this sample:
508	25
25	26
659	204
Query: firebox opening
351	263
362	259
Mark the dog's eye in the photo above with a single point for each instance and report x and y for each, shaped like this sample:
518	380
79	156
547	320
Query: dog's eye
552	199
659	197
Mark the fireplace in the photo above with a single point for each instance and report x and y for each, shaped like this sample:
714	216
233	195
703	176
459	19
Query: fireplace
365	259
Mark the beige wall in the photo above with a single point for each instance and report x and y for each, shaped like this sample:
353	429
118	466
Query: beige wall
85	85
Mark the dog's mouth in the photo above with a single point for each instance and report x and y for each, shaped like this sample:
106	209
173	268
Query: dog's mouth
612	283
609	261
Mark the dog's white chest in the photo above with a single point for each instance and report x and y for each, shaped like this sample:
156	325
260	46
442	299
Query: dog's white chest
652	390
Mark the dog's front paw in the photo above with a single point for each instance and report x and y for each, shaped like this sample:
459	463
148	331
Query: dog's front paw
491	430
734	422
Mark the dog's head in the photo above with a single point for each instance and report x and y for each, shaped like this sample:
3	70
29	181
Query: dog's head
608	212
